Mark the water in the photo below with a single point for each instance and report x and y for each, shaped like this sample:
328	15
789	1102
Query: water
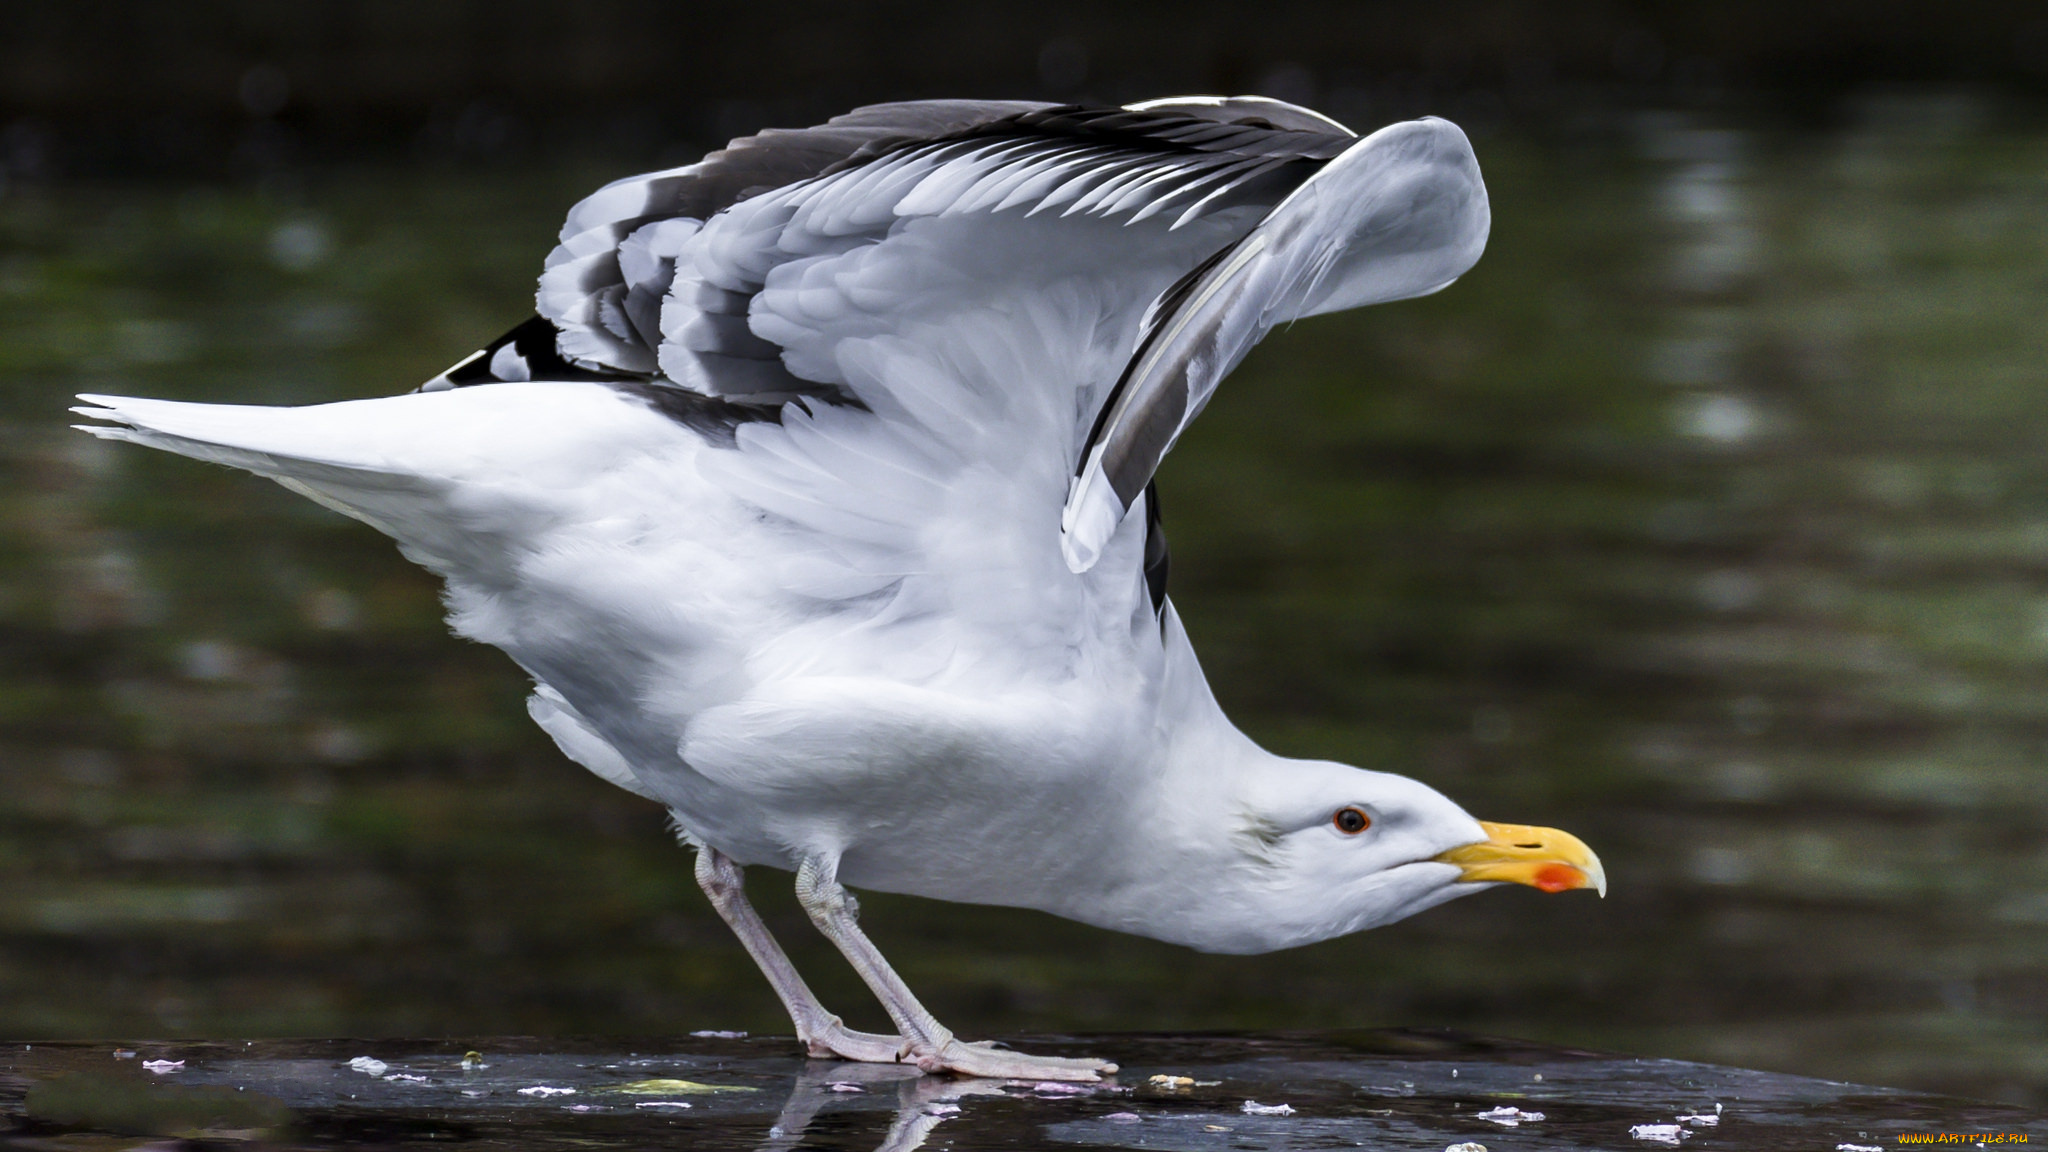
1706	518
1422	1091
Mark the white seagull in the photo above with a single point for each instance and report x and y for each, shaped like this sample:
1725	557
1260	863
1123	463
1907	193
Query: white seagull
817	502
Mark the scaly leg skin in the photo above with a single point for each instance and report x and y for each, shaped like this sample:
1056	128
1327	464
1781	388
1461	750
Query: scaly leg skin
821	1033
932	1046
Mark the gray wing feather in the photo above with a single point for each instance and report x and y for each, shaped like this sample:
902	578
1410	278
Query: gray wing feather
1399	214
622	305
584	286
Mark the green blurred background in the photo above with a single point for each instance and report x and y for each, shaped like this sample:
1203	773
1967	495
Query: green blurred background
1707	517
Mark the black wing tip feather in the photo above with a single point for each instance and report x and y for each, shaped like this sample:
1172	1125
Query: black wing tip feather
1157	559
1174	129
715	419
531	345
527	352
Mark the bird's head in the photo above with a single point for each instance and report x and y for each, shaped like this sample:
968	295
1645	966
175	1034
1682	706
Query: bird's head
1322	849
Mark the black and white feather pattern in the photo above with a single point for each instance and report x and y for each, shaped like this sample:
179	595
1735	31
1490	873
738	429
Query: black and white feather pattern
643	287
613	288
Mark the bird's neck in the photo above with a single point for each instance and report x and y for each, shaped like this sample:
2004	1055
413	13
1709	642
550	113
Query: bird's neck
1187	847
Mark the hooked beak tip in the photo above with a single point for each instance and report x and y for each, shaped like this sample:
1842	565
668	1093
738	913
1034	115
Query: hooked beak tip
1546	859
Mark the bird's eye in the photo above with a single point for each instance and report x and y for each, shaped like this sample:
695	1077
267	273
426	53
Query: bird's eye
1351	821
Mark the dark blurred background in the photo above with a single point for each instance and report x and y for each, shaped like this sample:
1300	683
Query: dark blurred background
122	87
1707	518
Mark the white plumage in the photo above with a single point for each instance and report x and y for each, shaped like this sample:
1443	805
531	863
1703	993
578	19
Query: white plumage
813	503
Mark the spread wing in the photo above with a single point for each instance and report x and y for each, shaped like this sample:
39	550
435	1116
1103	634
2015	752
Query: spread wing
942	346
962	308
1305	219
930	324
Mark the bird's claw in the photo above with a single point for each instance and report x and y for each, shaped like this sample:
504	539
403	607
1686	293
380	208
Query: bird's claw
984	1060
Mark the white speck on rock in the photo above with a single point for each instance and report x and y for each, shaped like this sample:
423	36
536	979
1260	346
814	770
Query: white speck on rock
1702	1119
1123	1118
714	1035
1509	1116
1254	1108
845	1086
663	1104
1659	1133
369	1065
162	1066
543	1090
406	1077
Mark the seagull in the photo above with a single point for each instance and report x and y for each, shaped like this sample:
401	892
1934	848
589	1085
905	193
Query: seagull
817	500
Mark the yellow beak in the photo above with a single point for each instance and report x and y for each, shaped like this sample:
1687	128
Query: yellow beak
1523	854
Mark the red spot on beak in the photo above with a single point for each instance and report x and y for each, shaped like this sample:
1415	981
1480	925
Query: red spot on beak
1559	878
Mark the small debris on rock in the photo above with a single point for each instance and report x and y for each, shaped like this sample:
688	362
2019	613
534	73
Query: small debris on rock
406	1077
678	1088
1659	1133
162	1066
1172	1083
543	1090
1508	1116
1702	1119
715	1035
1254	1108
367	1065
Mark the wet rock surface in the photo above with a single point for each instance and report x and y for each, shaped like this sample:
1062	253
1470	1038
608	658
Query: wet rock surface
1394	1089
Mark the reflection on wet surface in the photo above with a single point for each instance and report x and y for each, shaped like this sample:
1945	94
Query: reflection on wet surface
1401	1089
1706	518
